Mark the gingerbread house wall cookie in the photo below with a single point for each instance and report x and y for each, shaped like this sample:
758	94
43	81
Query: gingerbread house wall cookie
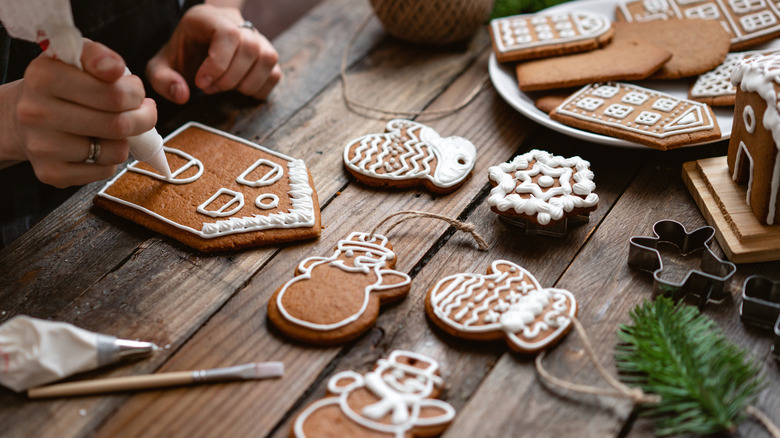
754	147
226	193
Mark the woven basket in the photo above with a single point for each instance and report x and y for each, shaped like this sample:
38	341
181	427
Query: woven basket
432	21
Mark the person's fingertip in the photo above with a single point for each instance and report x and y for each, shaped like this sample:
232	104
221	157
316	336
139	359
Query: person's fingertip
176	92
109	66
204	81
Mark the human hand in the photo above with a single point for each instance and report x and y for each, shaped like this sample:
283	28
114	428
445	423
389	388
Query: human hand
61	110
210	50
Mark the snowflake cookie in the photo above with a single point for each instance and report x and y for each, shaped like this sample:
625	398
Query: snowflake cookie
506	303
542	188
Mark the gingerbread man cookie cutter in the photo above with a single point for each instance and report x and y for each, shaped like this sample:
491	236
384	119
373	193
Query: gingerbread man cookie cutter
761	306
708	283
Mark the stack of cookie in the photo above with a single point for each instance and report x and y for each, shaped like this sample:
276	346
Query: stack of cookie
556	55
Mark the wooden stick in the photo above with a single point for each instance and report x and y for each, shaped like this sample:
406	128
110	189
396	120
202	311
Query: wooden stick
161	380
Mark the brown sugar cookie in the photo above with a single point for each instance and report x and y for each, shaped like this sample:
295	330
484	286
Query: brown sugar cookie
697	45
638	114
410	154
747	22
621	60
549	100
396	399
335	299
226	193
507	303
714	87
533	36
542	188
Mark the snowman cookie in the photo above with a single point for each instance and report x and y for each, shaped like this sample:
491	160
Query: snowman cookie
508	303
335	299
397	399
410	154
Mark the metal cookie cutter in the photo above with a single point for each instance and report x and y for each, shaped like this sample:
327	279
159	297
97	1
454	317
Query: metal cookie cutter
761	306
708	283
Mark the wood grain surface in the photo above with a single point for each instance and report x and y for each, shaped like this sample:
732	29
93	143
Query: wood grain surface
87	267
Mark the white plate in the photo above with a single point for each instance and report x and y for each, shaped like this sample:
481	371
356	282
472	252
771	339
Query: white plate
503	78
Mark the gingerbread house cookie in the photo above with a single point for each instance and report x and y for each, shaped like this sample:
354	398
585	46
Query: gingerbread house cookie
397	399
532	36
714	87
507	303
542	188
225	193
754	147
637	114
410	154
749	22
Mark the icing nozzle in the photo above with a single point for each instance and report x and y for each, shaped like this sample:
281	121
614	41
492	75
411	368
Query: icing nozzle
148	147
111	349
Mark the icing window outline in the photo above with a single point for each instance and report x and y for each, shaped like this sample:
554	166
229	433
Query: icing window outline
606	91
237	197
268	178
707	11
261	204
635	98
618	111
590	103
664	104
749	118
647	118
191	161
757	21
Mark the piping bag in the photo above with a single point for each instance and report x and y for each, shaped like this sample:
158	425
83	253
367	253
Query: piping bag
49	23
34	351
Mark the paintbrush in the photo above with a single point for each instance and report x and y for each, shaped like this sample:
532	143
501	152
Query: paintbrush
249	371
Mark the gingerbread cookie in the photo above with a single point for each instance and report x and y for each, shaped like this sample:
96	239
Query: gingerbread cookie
714	87
396	399
226	193
508	303
335	299
638	114
532	36
748	22
410	154
542	187
621	60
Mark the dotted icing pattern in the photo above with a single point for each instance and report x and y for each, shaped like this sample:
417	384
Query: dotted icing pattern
527	31
615	105
509	300
717	82
516	190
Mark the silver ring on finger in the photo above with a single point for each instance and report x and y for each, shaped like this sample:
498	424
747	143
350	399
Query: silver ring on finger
94	150
247	25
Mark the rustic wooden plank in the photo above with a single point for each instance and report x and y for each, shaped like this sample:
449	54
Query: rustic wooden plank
241	325
464	363
606	289
182	288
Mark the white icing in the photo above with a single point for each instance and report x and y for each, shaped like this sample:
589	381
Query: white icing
763	20
301	214
549	29
260	201
191	161
514	306
454	156
742	150
237	198
760	75
717	82
375	258
749	119
275	174
689	116
548	204
402	390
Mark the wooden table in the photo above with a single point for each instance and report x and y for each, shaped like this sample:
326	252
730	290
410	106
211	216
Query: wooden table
87	267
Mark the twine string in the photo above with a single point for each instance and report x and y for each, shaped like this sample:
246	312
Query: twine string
764	420
356	106
413	214
619	390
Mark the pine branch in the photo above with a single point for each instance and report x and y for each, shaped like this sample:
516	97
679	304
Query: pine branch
705	381
514	7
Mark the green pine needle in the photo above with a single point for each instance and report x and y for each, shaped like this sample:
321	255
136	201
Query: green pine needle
504	8
705	382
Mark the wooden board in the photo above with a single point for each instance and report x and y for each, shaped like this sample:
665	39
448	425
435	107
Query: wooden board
722	202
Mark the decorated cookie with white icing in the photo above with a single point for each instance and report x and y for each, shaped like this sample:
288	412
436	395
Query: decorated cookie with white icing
410	154
225	193
508	303
542	187
714	87
395	400
638	114
335	299
521	37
